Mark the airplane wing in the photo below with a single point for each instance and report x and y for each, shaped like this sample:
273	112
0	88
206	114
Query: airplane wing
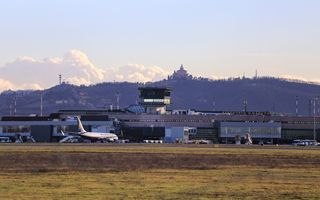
70	133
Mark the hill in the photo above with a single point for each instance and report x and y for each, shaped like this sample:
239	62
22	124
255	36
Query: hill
261	94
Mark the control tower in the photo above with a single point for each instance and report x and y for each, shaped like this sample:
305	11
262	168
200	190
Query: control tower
154	99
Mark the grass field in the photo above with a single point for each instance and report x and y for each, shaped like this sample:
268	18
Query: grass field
158	172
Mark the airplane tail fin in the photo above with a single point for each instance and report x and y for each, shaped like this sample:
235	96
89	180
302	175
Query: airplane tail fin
80	126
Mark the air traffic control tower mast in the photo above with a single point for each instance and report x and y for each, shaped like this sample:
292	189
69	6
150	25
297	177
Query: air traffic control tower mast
155	99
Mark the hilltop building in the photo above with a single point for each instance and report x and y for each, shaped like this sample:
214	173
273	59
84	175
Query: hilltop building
181	74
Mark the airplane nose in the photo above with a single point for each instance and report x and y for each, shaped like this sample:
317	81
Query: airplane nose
115	137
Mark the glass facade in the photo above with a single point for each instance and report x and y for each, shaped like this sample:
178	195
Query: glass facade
158	96
255	129
288	134
16	129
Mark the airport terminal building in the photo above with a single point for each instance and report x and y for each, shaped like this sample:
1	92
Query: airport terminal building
138	127
151	120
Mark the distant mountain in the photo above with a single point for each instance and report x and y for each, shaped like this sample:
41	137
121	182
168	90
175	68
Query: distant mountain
261	94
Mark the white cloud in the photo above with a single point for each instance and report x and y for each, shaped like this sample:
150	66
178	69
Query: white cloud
75	67
7	85
81	61
137	73
29	73
26	59
78	81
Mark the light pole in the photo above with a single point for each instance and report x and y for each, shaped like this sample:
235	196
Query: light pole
245	106
41	104
226	135
297	101
214	104
314	100
314	119
14	105
118	100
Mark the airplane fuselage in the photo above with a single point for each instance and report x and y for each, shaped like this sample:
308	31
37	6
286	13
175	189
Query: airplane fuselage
99	136
93	136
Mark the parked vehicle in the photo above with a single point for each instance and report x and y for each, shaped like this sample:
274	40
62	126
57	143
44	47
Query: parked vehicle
5	140
304	143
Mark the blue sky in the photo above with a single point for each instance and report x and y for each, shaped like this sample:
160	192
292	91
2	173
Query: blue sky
210	37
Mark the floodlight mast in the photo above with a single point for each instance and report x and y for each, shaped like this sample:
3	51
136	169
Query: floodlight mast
314	100
41	104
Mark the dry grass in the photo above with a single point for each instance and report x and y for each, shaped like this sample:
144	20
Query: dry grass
158	172
223	183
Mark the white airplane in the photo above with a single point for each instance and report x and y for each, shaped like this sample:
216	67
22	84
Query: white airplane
93	136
